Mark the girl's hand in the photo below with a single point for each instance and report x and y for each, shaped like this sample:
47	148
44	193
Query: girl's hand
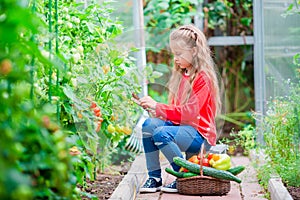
151	112
148	102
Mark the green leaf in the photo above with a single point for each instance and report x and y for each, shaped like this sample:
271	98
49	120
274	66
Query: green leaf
156	74
151	80
246	21
120	71
196	2
68	91
296	59
91	27
163	5
118	61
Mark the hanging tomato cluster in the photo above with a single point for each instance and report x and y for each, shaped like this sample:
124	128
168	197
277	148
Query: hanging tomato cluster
97	112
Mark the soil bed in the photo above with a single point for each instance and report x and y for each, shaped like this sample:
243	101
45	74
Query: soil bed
294	192
103	186
106	182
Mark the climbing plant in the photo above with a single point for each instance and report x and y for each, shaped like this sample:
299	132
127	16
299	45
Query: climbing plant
34	160
65	96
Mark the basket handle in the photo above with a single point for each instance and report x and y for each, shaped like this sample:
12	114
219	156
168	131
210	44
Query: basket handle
201	158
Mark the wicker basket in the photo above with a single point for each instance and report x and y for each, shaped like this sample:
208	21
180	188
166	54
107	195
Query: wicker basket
202	185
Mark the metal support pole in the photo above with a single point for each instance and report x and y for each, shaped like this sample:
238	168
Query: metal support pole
259	72
138	21
199	19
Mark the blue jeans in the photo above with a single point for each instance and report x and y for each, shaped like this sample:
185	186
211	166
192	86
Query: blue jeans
171	140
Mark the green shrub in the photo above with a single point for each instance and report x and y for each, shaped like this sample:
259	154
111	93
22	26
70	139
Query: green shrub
244	138
281	131
281	127
34	161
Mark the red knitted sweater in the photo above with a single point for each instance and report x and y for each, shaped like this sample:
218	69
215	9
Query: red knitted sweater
198	111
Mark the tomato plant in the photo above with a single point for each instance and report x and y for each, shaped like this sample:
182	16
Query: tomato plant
96	79
64	83
34	162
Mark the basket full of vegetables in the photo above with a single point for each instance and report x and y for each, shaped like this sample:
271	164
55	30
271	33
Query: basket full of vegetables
208	174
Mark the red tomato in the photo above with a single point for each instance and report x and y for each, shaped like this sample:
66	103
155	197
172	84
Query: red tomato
205	162
194	159
97	112
46	121
198	156
93	105
5	67
210	156
182	169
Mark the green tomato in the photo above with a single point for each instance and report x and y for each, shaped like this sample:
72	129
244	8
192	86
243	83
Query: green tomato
22	192
61	169
111	128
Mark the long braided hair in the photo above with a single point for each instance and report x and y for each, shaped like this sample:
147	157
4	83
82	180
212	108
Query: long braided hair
190	38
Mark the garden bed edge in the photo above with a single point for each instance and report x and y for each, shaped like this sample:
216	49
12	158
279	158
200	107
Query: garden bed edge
128	188
275	186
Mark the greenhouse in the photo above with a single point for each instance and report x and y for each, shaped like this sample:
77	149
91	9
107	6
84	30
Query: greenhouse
99	99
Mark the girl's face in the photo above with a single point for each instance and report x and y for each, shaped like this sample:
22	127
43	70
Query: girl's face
182	57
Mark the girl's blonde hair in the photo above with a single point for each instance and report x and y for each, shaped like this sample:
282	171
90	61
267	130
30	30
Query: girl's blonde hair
189	37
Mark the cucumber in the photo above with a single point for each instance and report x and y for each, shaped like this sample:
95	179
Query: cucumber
207	171
236	170
180	174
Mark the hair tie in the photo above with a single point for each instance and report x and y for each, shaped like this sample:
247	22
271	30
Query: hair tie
193	32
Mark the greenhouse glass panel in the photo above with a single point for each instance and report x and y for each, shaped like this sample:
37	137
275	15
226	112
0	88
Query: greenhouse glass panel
281	44
130	14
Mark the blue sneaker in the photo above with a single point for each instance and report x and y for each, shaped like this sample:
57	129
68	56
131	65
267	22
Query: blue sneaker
170	188
151	185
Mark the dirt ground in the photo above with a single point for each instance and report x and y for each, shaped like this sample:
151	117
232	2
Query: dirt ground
294	192
104	186
107	182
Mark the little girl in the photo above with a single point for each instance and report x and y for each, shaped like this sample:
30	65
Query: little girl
188	120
